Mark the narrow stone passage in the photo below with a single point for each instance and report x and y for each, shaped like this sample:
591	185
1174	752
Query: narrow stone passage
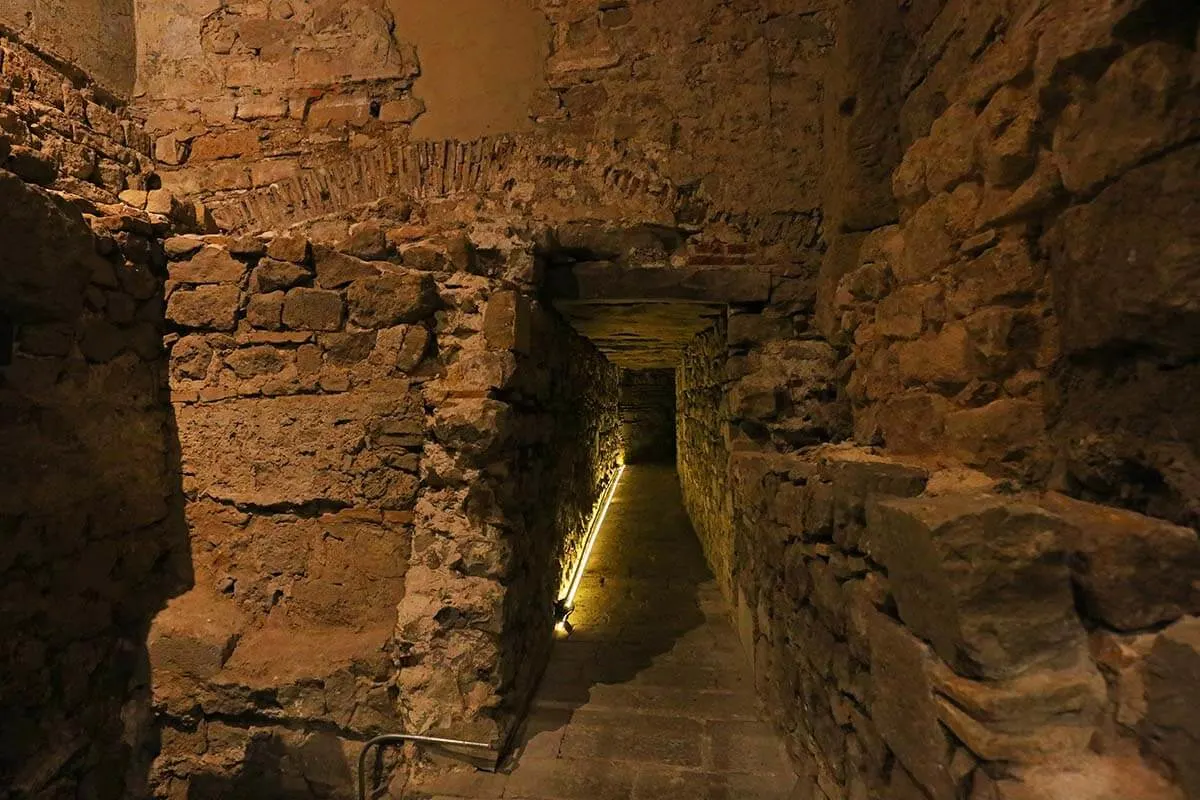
650	697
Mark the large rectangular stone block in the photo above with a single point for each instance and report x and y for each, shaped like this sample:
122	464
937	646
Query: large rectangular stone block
984	578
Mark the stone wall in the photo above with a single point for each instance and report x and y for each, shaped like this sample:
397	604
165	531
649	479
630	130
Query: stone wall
92	540
94	36
389	470
295	379
648	415
987	322
59	129
703	447
925	632
576	109
566	449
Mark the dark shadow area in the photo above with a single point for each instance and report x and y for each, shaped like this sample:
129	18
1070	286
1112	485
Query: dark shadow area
648	416
92	537
278	770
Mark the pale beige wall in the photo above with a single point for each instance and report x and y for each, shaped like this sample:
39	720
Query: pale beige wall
482	62
97	36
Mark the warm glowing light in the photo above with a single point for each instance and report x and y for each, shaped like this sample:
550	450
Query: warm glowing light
567	603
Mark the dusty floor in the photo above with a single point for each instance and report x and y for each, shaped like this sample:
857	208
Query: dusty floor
650	697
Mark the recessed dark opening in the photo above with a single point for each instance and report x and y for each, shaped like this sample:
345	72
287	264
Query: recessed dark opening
8	340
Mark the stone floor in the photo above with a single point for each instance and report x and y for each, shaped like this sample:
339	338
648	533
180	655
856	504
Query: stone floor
650	697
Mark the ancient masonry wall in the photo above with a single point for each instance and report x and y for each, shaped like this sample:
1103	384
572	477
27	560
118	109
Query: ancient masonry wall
938	632
275	113
702	444
95	36
388	471
61	129
91	538
925	632
1011	317
565	452
648	414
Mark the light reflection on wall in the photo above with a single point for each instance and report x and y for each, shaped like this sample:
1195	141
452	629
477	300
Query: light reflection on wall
566	603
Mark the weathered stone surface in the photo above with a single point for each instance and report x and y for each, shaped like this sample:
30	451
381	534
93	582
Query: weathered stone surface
391	299
182	246
1133	571
195	635
506	322
1171	725
1037	717
31	165
47	258
336	270
213	307
209	265
1145	104
289	248
271	275
980	576
904	707
1147	269
289	451
1115	777
313	309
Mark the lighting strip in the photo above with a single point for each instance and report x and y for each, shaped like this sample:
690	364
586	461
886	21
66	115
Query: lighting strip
567	604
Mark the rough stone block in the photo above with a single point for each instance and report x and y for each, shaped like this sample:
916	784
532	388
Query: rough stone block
289	248
209	265
1082	775
1034	718
178	247
905	312
1133	571
1125	265
999	435
194	635
312	309
213	307
1172	726
289	451
982	577
947	357
271	275
904	709
392	299
336	270
1144	104
506	322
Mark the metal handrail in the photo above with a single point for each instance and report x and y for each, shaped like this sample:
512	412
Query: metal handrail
400	738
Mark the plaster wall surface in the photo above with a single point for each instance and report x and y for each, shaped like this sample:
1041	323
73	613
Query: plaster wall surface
95	36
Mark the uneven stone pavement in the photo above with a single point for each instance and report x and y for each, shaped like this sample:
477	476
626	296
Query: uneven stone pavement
650	697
